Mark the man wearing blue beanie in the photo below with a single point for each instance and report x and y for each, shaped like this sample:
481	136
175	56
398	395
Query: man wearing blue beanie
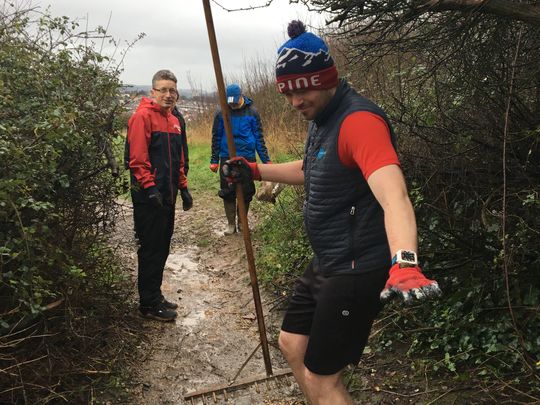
357	214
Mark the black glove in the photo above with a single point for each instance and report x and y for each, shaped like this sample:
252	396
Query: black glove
239	170
155	197
187	200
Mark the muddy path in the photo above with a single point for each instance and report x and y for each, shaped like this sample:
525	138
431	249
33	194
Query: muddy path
216	329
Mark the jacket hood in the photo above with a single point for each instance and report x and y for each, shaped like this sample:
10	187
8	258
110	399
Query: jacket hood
148	104
247	102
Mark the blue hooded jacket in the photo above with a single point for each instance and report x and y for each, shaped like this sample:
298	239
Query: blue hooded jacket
247	133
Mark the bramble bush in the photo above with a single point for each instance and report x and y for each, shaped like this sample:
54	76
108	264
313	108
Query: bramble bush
465	106
58	104
283	247
468	141
56	192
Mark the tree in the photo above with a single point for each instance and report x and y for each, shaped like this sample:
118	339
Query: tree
461	80
373	13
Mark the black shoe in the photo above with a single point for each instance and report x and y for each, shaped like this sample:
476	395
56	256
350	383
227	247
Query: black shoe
168	304
160	313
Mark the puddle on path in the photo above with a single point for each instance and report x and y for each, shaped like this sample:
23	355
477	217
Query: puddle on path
211	338
179	263
186	277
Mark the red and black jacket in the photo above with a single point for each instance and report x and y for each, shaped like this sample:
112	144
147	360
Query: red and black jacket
156	158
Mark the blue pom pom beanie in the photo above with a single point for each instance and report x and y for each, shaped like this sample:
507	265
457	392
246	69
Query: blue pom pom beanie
304	62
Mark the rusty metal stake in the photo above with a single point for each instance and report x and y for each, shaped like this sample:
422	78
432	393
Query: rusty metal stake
253	380
239	192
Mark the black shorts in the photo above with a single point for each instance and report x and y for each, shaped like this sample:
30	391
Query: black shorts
337	313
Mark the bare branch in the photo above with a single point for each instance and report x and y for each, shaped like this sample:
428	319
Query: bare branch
351	10
244	8
502	8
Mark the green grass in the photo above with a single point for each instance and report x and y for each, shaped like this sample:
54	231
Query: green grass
201	179
202	243
284	157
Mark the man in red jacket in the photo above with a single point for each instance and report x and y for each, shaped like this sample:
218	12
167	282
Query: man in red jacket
156	162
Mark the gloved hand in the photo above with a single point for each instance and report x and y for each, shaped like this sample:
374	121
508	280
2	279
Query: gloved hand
409	283
187	200
239	170
214	167
155	197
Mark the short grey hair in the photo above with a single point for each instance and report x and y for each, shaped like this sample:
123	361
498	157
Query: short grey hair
163	74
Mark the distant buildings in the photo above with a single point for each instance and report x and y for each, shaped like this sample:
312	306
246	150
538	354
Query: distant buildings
190	108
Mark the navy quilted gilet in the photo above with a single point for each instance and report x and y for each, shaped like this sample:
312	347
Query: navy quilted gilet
343	220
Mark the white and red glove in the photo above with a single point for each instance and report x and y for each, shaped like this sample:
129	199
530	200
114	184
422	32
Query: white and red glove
409	283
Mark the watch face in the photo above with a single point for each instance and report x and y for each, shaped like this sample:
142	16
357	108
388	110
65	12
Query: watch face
408	256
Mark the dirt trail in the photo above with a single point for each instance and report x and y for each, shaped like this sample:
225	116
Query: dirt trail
216	329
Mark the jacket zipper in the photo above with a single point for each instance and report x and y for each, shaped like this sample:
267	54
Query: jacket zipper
352	213
170	161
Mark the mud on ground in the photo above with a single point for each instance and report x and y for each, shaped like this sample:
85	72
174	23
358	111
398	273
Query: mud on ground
216	329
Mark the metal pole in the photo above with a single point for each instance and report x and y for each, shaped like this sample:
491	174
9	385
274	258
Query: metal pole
239	193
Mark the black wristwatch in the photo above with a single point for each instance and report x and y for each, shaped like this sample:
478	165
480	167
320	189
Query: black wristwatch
405	258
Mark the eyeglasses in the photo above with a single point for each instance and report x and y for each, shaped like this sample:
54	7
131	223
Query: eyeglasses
165	91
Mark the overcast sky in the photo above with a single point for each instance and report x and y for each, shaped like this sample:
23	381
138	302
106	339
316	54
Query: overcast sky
176	36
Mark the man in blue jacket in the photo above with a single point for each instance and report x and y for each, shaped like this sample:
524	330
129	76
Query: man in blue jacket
248	139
